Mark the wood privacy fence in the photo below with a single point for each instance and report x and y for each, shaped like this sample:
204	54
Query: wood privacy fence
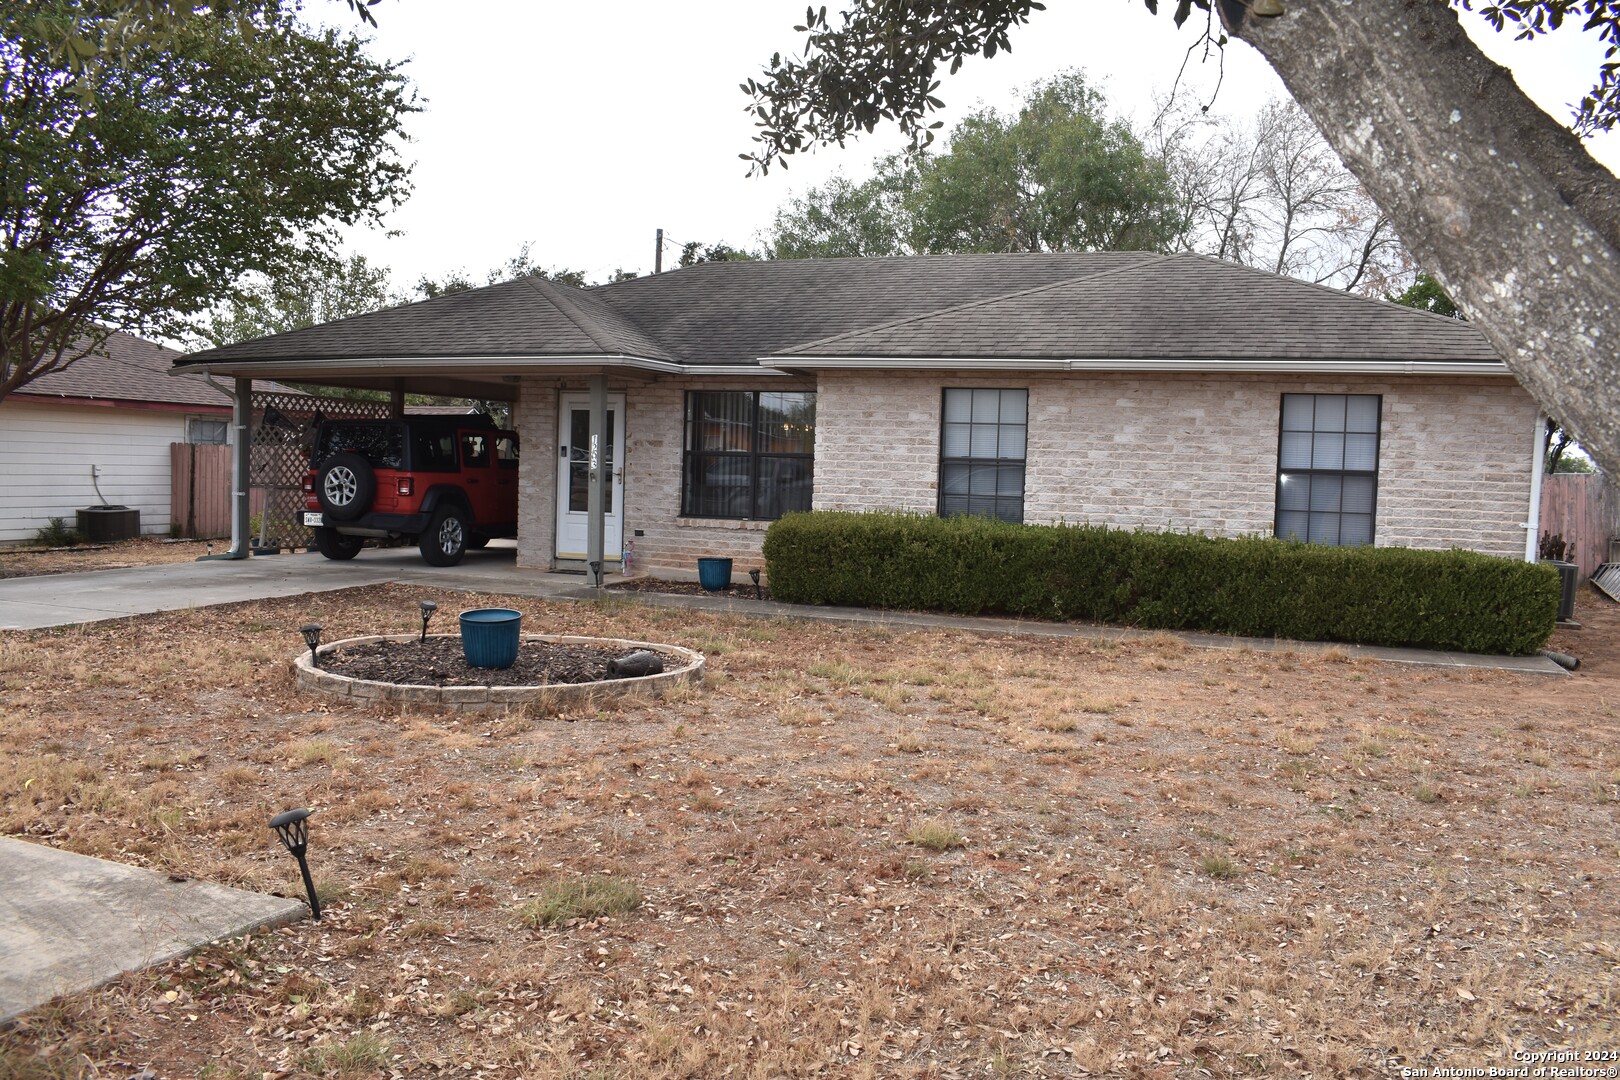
200	487
1583	509
200	483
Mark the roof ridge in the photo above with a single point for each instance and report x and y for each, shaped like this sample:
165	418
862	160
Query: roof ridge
588	321
546	288
1153	258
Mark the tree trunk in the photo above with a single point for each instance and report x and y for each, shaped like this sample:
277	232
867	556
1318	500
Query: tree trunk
1496	199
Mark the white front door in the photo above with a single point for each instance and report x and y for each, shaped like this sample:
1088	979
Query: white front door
574	472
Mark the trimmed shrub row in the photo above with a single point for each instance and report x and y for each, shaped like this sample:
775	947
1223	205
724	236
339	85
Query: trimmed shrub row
1252	587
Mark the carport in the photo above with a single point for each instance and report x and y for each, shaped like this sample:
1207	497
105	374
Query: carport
461	345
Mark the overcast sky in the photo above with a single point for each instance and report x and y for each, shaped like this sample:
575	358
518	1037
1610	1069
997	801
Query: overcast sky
582	128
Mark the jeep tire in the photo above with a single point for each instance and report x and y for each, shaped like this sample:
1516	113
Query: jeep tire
345	485
445	541
334	545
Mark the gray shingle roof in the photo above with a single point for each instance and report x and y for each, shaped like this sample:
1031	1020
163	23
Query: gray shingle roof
127	368
1170	308
1105	305
736	312
526	317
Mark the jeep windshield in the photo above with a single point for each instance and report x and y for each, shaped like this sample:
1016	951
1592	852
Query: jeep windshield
380	442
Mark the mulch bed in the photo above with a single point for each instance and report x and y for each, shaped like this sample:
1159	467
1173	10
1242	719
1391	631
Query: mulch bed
439	662
745	591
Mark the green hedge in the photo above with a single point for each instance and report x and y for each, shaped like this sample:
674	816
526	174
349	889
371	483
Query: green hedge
1253	587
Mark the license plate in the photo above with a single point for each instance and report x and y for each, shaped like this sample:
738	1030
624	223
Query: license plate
315	521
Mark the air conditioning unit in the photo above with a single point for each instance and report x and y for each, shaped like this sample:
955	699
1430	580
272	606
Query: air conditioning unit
102	524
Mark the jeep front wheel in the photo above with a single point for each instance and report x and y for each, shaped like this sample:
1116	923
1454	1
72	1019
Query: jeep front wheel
445	541
334	545
344	486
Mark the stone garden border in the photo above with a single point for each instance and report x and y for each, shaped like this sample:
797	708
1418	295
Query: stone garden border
686	668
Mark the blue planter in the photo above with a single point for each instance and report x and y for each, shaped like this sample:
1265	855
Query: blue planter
490	636
714	574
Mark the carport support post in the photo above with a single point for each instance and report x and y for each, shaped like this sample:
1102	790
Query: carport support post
396	400
596	499
241	469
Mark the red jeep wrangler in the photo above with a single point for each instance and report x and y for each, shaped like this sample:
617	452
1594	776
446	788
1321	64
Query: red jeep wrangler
446	483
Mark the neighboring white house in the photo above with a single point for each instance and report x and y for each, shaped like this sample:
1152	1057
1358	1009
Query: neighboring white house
98	433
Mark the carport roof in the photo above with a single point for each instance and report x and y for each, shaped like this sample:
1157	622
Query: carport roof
1137	308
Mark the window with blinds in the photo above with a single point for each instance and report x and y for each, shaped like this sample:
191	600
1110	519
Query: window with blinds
1327	468
749	454
981	454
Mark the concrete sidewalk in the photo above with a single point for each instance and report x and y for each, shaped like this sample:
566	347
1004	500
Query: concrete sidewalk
70	923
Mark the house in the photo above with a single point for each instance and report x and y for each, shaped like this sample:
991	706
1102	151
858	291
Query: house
1119	388
98	431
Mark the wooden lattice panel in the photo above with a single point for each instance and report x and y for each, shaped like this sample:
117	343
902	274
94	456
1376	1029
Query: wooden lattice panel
283	434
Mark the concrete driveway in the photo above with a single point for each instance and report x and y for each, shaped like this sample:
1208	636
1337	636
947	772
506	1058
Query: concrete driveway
30	603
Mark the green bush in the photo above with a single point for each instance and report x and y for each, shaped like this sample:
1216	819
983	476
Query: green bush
57	533
1252	586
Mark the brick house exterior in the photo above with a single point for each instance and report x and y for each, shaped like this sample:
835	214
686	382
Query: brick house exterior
1128	389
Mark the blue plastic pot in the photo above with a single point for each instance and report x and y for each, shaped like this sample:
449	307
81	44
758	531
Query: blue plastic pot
714	574
490	636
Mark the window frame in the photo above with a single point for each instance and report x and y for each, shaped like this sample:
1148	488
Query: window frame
999	462
691	456
196	421
1313	472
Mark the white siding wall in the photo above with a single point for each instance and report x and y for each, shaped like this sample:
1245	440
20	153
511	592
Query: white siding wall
46	451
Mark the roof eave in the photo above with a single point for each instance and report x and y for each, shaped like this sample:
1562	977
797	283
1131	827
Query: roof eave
271	368
1235	366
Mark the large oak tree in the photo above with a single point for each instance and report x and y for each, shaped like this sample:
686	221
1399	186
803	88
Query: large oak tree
1493	196
138	187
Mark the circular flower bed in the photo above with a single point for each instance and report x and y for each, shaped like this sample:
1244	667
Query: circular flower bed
551	671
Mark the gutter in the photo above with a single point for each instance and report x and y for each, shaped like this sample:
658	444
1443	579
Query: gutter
270	368
1538	461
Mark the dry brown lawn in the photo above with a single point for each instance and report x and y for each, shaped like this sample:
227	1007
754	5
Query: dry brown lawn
146	551
853	852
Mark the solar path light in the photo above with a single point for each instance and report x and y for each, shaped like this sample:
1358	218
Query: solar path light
293	829
428	608
312	638
758	592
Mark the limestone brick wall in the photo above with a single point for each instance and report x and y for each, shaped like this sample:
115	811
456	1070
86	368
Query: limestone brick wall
1454	467
534	416
1191	451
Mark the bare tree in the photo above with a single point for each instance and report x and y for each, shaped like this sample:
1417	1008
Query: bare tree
1270	192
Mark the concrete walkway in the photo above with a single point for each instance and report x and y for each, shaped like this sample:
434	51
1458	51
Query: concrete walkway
29	603
70	923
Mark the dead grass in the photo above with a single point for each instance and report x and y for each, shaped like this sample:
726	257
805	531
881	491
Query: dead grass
857	853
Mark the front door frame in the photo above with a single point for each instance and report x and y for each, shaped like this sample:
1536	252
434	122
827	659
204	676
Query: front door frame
568	522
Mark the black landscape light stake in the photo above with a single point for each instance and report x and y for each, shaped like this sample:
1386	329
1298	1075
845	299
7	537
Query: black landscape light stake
758	593
293	829
312	638
428	608
596	573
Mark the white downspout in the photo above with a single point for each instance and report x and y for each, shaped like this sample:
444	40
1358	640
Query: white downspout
1538	460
